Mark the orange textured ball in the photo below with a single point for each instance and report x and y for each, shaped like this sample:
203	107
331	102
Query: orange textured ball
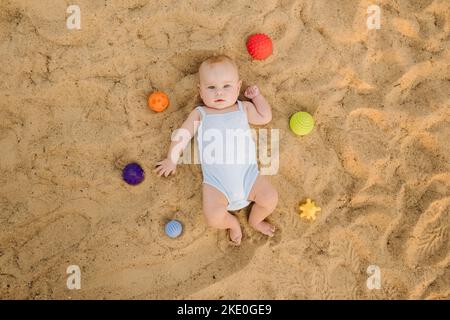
158	101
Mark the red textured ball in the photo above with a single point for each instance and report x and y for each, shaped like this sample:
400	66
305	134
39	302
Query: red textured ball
259	46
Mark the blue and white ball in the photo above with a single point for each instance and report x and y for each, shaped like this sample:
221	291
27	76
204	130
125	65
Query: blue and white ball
173	228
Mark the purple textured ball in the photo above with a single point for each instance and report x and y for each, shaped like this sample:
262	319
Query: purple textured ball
133	173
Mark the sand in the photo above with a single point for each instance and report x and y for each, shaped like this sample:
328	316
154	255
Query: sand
73	113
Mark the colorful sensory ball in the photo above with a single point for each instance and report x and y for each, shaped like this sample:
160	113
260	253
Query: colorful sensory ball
158	101
301	123
259	46
173	228
133	173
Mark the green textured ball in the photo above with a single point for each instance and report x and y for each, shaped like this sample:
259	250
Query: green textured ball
301	123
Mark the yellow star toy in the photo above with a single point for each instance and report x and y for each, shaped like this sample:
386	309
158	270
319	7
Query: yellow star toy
309	210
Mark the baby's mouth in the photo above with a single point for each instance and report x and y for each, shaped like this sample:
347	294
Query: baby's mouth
219	100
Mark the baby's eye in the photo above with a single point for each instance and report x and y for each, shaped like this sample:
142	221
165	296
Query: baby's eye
211	87
227	86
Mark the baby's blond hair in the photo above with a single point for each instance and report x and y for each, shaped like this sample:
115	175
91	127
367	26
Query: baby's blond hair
218	59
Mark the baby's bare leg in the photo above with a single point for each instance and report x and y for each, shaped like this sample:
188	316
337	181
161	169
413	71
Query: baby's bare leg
216	214
266	199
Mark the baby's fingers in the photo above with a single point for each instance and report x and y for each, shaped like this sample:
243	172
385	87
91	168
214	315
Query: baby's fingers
159	170
171	172
163	172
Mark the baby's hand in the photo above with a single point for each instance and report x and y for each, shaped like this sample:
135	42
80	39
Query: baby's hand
252	92
165	167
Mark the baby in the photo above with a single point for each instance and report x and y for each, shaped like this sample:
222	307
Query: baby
227	186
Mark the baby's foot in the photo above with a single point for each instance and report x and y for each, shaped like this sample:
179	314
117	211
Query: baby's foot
235	236
265	228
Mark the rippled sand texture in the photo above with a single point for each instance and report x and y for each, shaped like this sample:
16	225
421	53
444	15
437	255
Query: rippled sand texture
73	112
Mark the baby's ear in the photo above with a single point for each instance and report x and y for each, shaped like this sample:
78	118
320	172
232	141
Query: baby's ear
240	85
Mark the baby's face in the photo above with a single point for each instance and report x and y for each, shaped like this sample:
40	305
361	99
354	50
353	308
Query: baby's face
219	85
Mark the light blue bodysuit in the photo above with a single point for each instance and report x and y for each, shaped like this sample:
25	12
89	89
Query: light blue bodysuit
228	154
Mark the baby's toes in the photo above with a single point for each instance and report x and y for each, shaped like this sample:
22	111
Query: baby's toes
268	229
235	236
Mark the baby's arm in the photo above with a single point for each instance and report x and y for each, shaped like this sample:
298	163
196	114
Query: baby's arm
180	139
258	112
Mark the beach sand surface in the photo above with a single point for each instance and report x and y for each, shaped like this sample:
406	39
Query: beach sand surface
73	112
